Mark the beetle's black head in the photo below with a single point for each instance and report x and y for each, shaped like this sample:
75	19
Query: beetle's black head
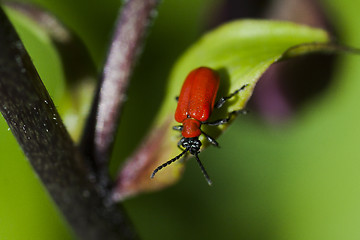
191	144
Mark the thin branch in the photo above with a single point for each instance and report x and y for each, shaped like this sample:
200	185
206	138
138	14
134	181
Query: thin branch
34	121
128	39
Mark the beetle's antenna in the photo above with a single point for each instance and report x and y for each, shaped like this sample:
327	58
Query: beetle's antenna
203	170
168	163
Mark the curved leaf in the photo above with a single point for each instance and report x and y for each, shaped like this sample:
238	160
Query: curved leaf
241	51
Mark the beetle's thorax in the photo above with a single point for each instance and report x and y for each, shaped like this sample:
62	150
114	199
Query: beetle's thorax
191	128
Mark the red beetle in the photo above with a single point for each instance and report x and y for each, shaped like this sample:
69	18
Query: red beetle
195	105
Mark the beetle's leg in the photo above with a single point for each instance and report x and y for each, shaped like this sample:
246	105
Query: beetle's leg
225	120
178	128
222	100
210	139
179	144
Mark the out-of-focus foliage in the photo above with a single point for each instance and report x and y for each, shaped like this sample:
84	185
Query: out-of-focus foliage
293	181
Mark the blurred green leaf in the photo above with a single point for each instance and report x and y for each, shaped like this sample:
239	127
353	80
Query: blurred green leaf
61	59
43	53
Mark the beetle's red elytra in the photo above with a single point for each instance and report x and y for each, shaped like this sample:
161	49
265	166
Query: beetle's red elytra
196	102
197	96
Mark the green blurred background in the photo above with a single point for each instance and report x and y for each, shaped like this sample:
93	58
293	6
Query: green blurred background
297	180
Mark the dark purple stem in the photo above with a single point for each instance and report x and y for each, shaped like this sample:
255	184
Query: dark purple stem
37	126
125	47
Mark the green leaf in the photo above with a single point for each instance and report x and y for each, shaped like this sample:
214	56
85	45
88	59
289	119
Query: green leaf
38	43
241	51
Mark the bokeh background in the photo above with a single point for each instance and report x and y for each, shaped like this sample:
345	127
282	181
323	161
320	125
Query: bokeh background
280	176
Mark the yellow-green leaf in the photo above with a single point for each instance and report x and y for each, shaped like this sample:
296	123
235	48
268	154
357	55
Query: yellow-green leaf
241	51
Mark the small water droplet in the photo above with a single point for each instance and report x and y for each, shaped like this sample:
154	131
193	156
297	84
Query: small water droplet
18	60
8	129
46	102
47	130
